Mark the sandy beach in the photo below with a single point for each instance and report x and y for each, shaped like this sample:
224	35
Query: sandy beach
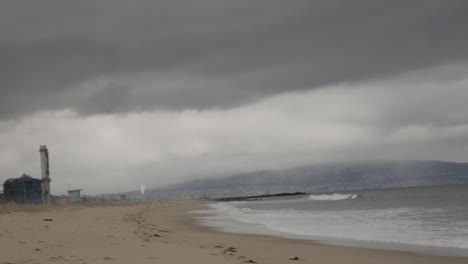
159	232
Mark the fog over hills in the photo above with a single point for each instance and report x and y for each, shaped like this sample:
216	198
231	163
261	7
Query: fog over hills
330	177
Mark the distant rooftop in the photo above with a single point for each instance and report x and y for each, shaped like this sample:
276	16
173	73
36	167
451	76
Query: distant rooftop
76	190
24	177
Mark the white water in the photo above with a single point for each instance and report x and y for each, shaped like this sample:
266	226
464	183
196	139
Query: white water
415	226
332	197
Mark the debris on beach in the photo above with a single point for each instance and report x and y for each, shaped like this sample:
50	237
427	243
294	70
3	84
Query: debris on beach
231	249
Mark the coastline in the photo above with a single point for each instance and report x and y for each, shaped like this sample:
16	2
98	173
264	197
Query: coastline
318	251
214	221
163	232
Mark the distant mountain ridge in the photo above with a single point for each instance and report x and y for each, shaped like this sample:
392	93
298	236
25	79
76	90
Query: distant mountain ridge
343	176
322	178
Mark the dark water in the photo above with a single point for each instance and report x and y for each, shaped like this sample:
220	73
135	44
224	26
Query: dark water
429	219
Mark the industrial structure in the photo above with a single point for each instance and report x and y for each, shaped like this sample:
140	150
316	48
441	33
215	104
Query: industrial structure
45	174
24	189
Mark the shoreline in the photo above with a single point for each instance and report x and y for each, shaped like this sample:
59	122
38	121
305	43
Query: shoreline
163	232
210	221
360	254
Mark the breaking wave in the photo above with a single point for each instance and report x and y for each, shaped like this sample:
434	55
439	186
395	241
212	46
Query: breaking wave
332	197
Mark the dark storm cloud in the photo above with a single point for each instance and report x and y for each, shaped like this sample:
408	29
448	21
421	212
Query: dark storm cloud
210	53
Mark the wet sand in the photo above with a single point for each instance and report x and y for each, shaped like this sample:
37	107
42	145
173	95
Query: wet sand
160	232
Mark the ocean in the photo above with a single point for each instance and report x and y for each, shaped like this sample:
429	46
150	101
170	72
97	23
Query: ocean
431	220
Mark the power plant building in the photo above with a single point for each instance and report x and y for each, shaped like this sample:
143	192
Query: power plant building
24	189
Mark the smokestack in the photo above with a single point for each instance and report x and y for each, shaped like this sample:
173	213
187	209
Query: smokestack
45	173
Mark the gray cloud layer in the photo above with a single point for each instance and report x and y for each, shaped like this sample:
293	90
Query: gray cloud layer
120	56
418	115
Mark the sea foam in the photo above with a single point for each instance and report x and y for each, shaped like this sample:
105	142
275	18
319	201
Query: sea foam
420	217
332	197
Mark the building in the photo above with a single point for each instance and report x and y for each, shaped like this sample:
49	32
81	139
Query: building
74	196
24	189
45	174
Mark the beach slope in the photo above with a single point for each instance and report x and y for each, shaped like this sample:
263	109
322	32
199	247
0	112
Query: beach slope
160	232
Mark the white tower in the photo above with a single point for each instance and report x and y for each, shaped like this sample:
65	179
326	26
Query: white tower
45	174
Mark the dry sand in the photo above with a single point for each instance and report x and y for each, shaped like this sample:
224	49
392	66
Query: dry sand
160	232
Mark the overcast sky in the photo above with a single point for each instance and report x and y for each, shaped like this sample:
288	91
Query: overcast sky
157	92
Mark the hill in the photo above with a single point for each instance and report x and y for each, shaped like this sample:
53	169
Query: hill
332	177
